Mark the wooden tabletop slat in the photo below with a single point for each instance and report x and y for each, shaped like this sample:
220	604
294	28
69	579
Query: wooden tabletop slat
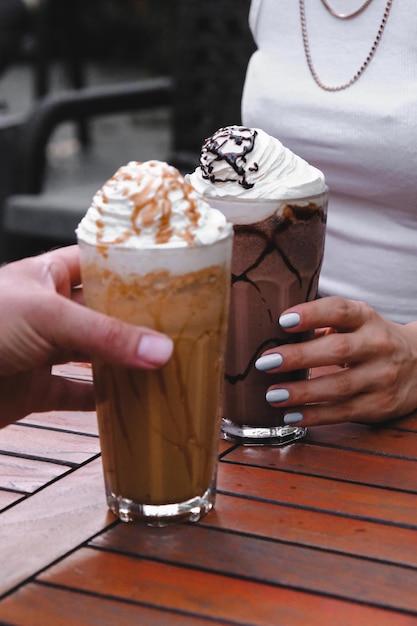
38	604
225	447
310	528
325	462
408	423
44	527
276	563
204	593
7	498
48	444
377	440
319	494
71	421
78	371
321	532
27	475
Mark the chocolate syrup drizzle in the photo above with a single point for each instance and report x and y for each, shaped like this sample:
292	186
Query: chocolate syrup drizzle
244	278
213	151
271	246
269	343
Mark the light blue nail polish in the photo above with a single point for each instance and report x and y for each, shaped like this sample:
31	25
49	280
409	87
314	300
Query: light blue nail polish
289	320
293	418
277	395
268	362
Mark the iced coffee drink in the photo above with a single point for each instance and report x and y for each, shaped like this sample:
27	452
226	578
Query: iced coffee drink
154	254
277	203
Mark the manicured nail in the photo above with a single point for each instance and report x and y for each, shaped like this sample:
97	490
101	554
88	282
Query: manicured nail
277	395
155	349
289	320
268	362
293	418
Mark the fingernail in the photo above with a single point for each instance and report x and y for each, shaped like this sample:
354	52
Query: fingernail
277	395
289	320
155	349
268	362
293	418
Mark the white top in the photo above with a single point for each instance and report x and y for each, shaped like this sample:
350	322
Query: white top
363	138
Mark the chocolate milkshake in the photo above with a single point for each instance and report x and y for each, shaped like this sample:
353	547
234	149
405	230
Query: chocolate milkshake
154	254
277	203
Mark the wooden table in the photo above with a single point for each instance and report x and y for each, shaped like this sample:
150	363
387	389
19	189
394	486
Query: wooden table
323	531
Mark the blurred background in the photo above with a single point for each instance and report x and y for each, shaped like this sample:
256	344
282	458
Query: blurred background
53	49
58	44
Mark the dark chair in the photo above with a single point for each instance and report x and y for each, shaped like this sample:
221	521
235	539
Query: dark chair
203	93
36	218
15	20
48	30
10	132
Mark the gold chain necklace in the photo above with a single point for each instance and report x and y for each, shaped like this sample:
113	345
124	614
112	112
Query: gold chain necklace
364	64
346	16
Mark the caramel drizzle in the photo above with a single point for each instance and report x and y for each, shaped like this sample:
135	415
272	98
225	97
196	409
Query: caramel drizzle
152	205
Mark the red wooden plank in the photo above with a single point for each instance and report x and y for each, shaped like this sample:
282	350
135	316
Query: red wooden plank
407	423
45	526
376	439
48	444
319	494
37	604
309	528
327	462
225	446
207	594
275	563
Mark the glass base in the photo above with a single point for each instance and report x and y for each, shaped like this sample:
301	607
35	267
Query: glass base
162	514
261	435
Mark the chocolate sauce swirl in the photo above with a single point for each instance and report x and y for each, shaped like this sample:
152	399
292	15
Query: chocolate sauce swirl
231	144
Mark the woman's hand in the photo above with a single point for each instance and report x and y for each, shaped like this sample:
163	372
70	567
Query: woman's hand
374	373
43	322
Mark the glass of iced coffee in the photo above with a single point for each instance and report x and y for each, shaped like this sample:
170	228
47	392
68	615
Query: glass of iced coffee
154	254
278	204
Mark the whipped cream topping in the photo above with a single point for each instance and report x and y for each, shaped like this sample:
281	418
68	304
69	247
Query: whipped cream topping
148	204
248	163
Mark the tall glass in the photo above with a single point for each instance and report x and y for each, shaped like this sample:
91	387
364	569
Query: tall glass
277	255
159	429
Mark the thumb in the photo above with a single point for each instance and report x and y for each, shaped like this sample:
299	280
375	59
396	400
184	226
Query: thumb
110	339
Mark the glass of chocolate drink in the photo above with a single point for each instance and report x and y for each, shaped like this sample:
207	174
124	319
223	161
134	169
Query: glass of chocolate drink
278	205
276	264
154	254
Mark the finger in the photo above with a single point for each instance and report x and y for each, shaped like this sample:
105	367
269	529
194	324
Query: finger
63	266
338	313
331	349
364	408
86	331
333	387
368	342
44	392
69	256
68	356
352	394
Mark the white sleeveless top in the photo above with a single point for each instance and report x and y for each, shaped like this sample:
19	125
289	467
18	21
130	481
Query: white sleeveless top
363	138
